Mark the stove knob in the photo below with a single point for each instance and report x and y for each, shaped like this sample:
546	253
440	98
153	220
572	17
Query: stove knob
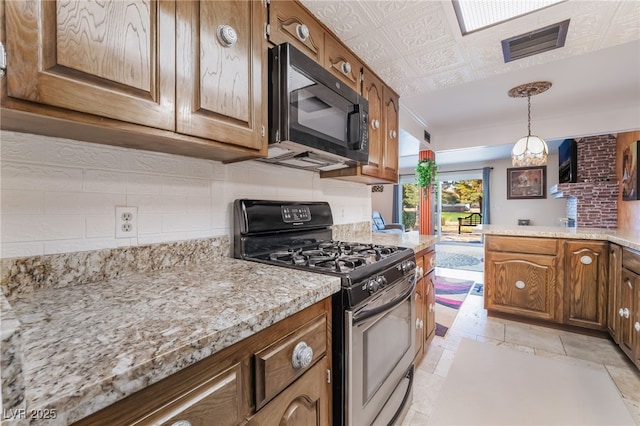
373	286
382	281
408	266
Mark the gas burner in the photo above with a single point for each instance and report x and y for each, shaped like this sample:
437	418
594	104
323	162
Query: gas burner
289	257
339	264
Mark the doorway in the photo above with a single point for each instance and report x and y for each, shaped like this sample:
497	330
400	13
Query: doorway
459	206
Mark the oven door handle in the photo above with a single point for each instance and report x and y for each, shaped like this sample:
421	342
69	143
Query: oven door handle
364	315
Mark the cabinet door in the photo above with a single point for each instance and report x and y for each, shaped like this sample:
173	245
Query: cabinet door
112	59
342	63
221	64
627	314
613	291
391	134
420	309
289	22
585	291
305	402
521	284
430	307
372	92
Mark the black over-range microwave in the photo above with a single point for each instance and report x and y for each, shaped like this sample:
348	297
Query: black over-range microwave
316	122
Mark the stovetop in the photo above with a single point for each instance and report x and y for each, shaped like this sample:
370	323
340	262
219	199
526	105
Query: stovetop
333	256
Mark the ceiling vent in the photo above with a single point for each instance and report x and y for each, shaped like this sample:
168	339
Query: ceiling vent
534	42
427	137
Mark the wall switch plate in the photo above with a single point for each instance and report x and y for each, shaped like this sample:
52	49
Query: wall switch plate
126	222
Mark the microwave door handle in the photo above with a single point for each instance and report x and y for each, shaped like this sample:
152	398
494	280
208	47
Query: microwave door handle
364	315
354	124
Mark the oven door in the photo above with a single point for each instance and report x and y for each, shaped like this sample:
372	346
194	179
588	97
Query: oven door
380	350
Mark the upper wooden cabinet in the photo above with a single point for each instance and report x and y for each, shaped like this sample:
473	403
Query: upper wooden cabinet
342	63
289	22
114	59
181	77
391	135
220	75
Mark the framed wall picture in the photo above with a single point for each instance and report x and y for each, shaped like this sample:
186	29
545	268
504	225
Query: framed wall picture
526	183
630	178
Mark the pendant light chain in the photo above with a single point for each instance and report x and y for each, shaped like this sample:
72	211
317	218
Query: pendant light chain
529	114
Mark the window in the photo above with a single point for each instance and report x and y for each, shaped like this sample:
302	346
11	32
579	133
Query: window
477	14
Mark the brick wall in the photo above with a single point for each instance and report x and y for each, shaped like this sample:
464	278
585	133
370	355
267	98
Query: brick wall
596	192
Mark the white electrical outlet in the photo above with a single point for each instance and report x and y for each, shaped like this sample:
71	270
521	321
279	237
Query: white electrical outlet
126	222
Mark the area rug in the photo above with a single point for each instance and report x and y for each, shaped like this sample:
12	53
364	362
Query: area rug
496	385
450	293
469	257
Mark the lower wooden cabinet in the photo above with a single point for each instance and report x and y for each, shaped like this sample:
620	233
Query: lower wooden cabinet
252	381
425	300
585	289
614	280
628	306
302	403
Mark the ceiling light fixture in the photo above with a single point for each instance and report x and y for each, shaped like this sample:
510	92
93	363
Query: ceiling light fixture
530	150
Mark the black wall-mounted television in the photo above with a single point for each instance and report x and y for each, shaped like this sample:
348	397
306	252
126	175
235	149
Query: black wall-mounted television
568	161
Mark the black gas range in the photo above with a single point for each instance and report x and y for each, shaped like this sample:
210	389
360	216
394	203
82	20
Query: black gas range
373	310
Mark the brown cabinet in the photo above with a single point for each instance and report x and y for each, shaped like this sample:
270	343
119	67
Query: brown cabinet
178	77
279	375
391	134
628	294
521	276
585	289
289	22
221	72
614	280
425	300
342	63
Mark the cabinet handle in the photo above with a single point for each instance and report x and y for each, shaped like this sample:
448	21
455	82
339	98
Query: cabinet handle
227	35
419	324
628	283
375	124
586	260
637	326
346	67
302	31
181	423
625	312
432	307
520	284
302	356
393	134
432	261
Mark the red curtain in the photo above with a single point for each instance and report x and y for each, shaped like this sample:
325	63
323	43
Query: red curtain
426	200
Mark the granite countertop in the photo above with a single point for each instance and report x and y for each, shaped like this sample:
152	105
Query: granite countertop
412	240
83	347
624	237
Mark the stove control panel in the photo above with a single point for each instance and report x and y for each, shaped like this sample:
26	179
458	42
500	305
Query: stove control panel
296	214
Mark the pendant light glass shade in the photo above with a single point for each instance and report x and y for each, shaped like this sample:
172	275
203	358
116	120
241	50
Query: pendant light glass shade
530	150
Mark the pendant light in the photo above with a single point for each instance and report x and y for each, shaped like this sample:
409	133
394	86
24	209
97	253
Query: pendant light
530	150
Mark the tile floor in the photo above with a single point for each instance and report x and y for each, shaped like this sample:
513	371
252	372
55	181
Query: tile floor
472	323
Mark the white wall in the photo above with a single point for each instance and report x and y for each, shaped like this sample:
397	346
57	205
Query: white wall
58	195
383	202
543	212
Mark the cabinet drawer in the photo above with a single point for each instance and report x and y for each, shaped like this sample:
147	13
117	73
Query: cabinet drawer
631	260
429	261
274	365
522	244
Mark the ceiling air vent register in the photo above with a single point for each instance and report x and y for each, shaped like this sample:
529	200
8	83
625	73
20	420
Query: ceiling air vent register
534	42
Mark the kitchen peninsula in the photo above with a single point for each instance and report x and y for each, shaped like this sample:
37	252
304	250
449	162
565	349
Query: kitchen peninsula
584	278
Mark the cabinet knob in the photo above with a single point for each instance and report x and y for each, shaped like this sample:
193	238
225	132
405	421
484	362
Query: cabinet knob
432	261
520	284
346	67
375	124
586	260
393	134
227	35
637	326
432	307
181	423
625	312
302	31
419	324
302	355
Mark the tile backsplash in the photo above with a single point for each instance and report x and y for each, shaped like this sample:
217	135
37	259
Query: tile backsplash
59	195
